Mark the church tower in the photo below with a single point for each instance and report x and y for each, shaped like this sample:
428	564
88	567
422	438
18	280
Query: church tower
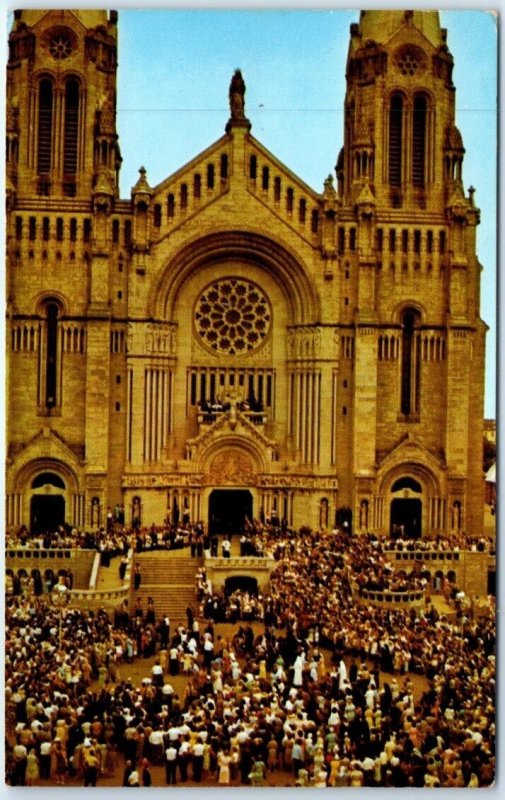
61	97
409	243
62	171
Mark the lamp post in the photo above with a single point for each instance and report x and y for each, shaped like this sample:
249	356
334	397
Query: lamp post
60	597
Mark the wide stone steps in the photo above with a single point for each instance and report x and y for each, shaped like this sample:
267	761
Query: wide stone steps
170	581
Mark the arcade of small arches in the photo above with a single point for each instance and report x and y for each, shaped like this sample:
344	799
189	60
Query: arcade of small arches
42	580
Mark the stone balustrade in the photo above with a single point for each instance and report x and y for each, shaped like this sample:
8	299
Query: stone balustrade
84	564
469	569
424	555
412	598
99	598
42	554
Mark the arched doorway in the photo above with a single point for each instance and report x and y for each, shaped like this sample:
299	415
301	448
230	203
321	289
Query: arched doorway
244	583
228	509
47	504
406	509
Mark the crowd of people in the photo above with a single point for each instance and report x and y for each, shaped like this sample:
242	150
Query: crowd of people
110	541
311	688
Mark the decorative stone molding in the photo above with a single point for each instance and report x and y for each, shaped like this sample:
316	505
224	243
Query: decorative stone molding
304	342
261	357
232	467
161	480
311	482
161	338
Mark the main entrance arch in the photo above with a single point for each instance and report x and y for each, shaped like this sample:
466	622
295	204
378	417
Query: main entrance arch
228	509
47	504
406	509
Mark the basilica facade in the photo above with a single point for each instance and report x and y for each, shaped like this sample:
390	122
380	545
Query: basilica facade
232	342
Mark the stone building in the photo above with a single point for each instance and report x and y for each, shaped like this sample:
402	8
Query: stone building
231	341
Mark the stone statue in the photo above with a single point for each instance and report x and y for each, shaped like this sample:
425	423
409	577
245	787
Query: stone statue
237	95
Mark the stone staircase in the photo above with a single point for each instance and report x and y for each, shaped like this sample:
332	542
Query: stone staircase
169	578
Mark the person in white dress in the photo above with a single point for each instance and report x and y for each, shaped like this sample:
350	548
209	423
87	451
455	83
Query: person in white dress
223	762
298	670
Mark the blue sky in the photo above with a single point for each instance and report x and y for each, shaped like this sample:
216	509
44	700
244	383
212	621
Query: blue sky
174	70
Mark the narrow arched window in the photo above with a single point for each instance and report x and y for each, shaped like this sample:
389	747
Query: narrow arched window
419	142
223	166
71	134
395	140
51	354
46	99
210	176
411	362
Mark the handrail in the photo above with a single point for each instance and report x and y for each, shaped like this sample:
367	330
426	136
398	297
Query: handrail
94	571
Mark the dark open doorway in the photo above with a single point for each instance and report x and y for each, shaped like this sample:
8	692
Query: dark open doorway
47	512
228	509
406	518
245	583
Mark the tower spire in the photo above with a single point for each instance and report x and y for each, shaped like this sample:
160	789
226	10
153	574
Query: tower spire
380	26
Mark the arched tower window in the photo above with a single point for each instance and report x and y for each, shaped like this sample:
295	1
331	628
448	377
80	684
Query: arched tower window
395	140
419	142
46	102
51	354
71	134
411	362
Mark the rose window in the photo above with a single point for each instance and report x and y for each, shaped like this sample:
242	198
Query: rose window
232	316
60	46
409	61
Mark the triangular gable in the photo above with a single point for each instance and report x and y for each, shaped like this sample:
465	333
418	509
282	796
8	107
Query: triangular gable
46	444
409	448
404	35
178	201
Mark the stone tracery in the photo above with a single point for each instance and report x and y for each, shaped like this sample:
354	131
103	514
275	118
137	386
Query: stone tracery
232	316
